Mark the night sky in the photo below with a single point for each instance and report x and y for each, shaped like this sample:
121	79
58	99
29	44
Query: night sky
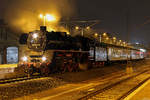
113	15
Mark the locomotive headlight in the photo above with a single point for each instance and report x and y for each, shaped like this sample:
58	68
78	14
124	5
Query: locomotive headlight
24	58
35	35
143	50
43	58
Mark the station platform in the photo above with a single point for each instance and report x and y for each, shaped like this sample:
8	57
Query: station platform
141	93
6	69
8	65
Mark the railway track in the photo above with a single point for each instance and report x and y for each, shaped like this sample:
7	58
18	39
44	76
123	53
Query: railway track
11	80
120	89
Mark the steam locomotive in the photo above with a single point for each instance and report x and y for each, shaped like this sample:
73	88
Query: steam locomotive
50	52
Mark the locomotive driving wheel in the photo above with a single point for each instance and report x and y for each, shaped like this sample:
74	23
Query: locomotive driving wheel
76	67
70	66
67	66
44	71
29	70
64	68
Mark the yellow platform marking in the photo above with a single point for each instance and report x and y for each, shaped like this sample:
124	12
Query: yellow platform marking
8	65
136	91
50	97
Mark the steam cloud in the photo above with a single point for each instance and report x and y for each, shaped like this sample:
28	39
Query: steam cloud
22	15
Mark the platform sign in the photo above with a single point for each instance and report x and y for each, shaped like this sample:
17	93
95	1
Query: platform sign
12	55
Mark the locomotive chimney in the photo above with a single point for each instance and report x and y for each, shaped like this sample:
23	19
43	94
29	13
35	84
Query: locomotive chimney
43	28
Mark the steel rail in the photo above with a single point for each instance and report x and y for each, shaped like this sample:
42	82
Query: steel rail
133	89
12	80
111	86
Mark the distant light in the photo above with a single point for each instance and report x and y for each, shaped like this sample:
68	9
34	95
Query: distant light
67	33
114	38
35	35
50	17
120	40
76	27
104	34
143	50
107	38
137	43
41	16
96	34
88	27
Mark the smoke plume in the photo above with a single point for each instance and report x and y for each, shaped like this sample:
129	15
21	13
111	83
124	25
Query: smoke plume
22	15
